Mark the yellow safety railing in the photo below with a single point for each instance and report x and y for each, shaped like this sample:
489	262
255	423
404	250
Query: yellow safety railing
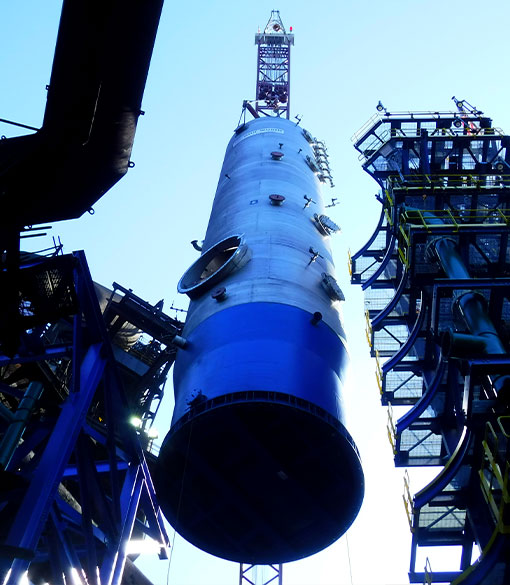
427	579
408	500
495	471
388	216
389	207
378	372
412	216
504	218
368	329
457	219
448	181
403	246
349	262
494	474
392	432
389	197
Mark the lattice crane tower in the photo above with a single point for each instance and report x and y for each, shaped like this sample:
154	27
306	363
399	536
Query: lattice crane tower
273	67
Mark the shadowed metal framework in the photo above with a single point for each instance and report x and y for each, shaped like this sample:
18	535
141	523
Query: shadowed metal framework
76	486
436	276
82	368
273	68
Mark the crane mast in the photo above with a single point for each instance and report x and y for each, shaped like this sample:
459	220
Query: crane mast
273	68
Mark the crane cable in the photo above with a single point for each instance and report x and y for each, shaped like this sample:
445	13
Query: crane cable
179	502
172	547
348	557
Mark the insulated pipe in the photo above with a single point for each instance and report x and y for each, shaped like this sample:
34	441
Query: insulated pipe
450	259
472	307
94	100
455	344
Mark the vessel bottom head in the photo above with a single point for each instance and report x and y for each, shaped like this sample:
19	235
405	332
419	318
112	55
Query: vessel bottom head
259	481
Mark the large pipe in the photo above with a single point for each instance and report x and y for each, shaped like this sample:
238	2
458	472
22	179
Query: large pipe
100	67
258	465
472	307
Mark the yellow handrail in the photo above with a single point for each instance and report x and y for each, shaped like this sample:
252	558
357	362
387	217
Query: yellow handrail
390	199
403	251
505	218
450	216
403	257
368	329
502	421
494	474
388	216
378	371
392	432
460	218
448	180
427	572
387	209
408	500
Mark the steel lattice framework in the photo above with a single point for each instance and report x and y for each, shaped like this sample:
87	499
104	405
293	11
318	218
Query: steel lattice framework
436	276
273	68
248	574
76	486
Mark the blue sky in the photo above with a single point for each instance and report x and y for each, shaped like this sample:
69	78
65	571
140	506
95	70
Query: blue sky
411	55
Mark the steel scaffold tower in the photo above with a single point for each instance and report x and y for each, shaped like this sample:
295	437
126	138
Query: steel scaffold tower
273	68
436	276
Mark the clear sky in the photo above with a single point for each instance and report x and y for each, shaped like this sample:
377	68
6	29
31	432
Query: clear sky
410	54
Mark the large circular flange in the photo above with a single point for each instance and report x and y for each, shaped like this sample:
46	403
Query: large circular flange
214	265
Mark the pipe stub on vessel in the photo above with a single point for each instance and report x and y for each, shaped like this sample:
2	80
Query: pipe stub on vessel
276	199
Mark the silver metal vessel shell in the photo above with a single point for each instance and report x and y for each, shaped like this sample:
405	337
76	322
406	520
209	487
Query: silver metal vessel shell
282	239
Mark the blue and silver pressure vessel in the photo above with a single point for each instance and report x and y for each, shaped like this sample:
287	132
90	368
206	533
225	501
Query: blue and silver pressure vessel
258	466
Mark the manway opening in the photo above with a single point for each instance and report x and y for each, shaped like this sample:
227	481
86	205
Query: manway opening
214	265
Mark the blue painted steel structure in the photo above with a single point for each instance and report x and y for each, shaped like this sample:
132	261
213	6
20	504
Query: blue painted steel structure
77	488
436	280
75	485
249	575
258	466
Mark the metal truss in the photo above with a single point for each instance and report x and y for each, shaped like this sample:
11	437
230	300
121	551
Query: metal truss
436	275
76	486
273	68
260	574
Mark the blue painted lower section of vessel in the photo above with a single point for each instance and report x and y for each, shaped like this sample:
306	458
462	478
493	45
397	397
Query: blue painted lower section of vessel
258	466
261	346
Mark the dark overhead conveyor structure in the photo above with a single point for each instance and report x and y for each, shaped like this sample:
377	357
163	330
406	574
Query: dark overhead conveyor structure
436	275
94	100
